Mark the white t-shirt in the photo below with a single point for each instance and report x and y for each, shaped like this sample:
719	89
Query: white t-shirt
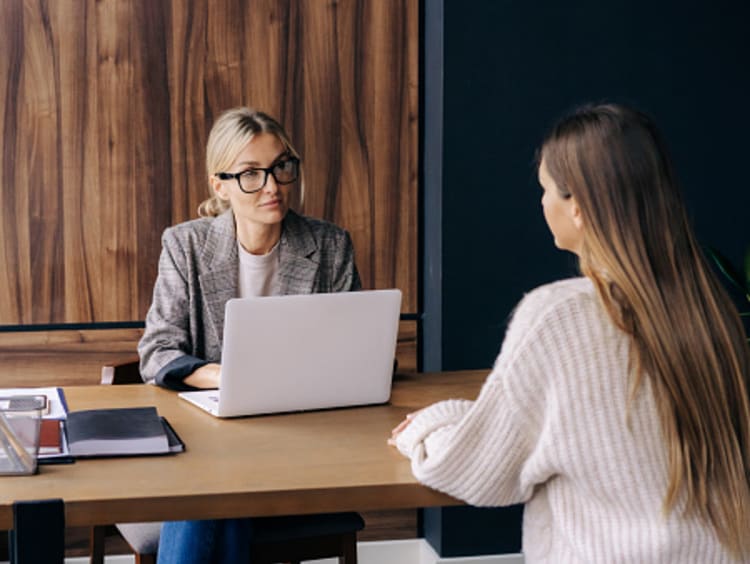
258	273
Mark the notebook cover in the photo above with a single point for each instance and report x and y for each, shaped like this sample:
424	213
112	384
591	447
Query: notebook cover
175	442
116	432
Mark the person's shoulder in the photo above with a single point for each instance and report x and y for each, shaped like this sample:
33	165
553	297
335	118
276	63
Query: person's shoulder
320	228
549	311
194	230
192	226
557	297
562	290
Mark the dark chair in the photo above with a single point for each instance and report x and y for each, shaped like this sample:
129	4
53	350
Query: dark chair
275	539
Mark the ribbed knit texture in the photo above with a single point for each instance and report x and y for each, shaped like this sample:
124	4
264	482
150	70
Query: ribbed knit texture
550	429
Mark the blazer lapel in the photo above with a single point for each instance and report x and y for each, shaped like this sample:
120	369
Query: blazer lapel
298	264
219	279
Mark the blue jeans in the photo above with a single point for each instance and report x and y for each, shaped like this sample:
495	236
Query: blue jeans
225	541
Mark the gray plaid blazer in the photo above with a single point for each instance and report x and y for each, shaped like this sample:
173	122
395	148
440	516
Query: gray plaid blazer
198	273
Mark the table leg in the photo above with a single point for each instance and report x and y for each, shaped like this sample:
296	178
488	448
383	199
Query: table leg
38	533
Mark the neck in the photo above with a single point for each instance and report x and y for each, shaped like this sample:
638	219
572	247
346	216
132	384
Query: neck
258	239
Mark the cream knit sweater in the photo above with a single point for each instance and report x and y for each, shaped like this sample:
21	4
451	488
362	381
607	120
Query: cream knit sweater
549	429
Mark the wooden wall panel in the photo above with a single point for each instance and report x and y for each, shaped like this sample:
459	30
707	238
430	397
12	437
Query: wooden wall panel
11	39
106	107
63	358
78	155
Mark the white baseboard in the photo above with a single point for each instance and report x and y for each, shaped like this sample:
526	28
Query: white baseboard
411	551
428	555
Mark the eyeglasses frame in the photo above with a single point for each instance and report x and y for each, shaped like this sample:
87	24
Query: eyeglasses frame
269	170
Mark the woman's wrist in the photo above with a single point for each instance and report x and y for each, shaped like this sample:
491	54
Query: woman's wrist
207	376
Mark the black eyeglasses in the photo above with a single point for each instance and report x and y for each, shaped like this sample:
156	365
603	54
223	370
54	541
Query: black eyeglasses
252	180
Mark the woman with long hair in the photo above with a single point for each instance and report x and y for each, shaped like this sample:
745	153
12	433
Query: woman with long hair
618	409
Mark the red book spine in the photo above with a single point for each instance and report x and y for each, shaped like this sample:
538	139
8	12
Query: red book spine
49	437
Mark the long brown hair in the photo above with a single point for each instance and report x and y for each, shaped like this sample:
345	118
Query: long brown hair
686	335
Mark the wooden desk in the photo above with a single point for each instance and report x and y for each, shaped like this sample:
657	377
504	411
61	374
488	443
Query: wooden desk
257	466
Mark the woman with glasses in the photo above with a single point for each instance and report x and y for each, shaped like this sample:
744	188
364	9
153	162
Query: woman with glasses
247	242
618	409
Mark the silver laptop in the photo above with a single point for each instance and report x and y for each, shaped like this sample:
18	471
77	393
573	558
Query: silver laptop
303	352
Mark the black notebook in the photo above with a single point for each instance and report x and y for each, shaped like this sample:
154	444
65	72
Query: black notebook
175	442
119	432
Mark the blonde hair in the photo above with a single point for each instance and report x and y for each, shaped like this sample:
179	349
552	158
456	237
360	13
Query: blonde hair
230	134
686	335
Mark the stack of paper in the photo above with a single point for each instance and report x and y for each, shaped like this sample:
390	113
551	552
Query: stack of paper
53	447
67	435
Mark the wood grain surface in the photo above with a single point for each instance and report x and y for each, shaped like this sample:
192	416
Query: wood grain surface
342	461
105	110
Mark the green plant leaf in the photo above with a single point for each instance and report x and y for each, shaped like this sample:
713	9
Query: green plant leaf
730	272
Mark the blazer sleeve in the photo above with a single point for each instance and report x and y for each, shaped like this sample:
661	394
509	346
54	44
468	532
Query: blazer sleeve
166	345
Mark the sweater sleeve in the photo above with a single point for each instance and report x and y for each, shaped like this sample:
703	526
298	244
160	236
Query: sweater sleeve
474	451
495	450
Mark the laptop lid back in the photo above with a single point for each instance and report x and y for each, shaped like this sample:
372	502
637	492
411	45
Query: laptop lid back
313	351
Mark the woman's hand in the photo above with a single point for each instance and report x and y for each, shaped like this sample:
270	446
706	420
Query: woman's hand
400	427
207	376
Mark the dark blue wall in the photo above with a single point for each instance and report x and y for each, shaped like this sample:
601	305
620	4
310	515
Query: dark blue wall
507	70
510	69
